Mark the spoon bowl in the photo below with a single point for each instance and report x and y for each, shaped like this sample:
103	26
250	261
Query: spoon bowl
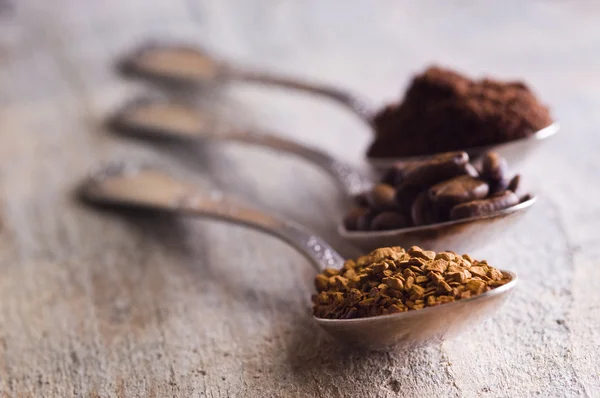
513	151
173	64
459	235
124	185
414	329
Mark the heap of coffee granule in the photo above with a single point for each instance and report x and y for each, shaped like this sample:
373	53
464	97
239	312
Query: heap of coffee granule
445	111
391	280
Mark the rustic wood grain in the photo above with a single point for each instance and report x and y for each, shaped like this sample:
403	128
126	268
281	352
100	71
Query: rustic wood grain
101	304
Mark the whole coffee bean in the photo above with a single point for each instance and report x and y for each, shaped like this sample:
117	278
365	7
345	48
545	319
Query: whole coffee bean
364	221
457	190
471	170
388	220
382	197
422	211
483	207
435	169
495	167
525	198
499	186
352	218
514	183
394	175
405	196
361	200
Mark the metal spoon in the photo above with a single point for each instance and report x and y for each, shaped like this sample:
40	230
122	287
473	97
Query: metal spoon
160	118
183	65
128	186
186	66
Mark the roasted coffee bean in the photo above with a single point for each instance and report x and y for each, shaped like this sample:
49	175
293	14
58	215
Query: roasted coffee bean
499	186
422	211
424	192
388	220
361	200
382	197
406	195
394	175
436	169
494	167
483	207
470	170
421	175
457	190
364	221
525	198
351	220
514	183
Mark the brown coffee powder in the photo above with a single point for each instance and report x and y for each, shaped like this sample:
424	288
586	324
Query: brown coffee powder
445	111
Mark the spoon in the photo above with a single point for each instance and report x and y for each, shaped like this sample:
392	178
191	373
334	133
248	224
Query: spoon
129	186
161	118
184	66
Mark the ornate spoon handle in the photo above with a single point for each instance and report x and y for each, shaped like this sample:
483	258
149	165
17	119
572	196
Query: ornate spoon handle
313	247
348	178
357	105
125	185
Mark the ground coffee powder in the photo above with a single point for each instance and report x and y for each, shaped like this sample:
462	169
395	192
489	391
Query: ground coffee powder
445	111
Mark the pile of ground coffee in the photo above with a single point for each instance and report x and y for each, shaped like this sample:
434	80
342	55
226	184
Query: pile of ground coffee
391	280
445	111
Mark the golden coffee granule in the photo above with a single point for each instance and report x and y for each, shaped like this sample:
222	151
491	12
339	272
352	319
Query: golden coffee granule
391	279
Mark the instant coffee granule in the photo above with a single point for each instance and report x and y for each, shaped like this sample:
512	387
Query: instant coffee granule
445	111
391	280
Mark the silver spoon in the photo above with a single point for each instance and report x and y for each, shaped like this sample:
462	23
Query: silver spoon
183	65
160	118
129	186
186	66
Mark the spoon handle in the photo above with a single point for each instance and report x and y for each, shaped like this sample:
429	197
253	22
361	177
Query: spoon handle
215	206
125	184
357	105
182	121
348	178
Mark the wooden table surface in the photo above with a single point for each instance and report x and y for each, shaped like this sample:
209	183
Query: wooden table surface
100	304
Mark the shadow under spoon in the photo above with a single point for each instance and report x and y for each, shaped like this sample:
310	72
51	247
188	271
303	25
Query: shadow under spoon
130	186
158	118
